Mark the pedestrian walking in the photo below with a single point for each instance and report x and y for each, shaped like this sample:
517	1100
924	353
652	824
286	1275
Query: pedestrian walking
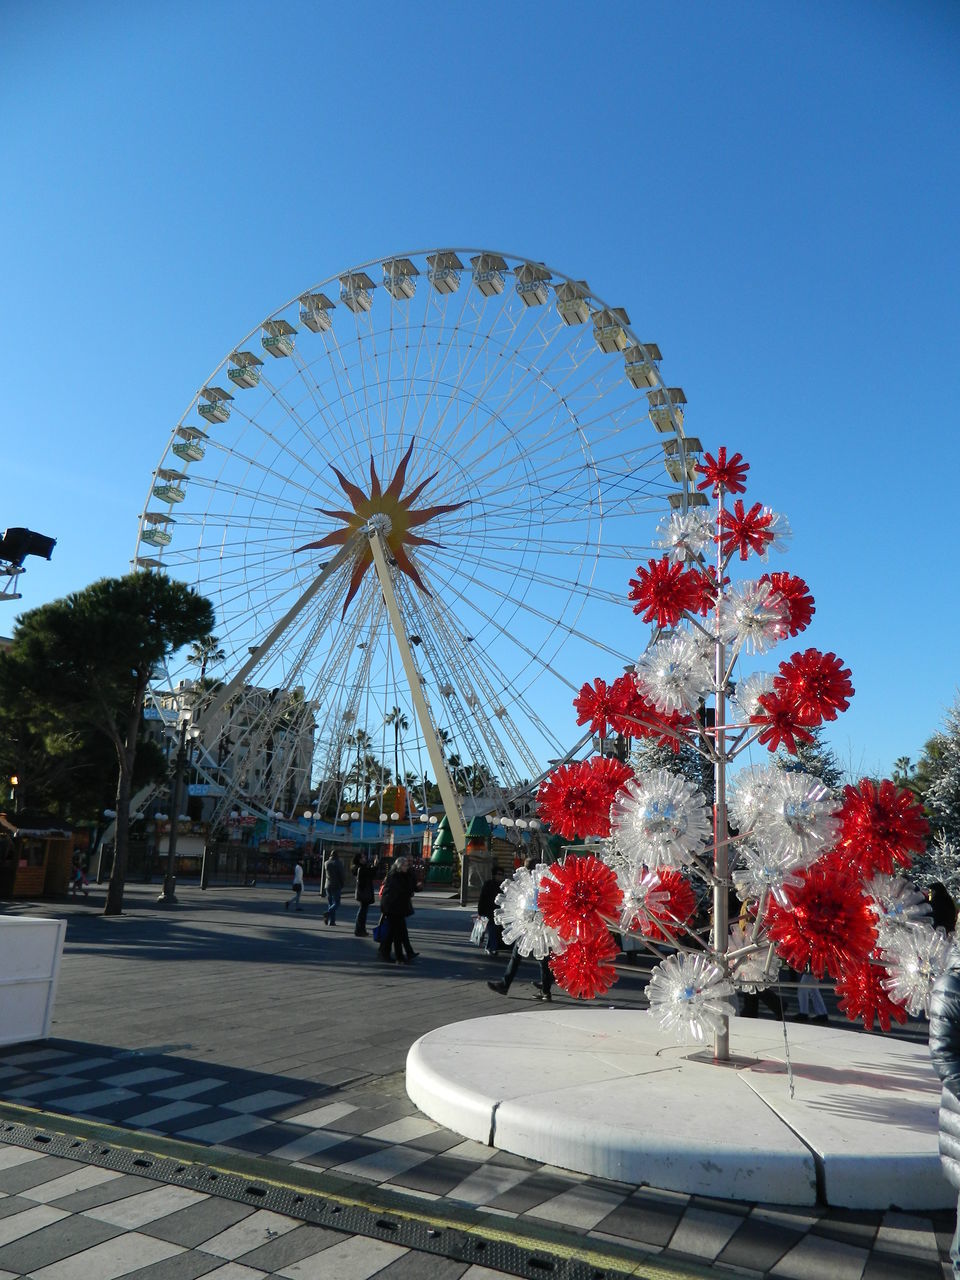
396	903
334	877
363	870
78	880
810	1000
513	964
297	888
945	1053
485	909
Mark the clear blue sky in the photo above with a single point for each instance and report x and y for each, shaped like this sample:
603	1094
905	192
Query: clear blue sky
771	190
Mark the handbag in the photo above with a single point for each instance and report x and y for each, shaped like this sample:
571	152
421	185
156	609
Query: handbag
381	930
478	932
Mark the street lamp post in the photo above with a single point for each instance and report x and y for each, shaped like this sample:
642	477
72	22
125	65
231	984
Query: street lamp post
168	894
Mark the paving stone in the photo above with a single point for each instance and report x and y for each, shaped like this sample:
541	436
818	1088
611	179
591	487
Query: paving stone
12	1156
31	1173
302	1242
147	1206
533	1190
894	1266
109	1260
816	1257
33	1218
379	1166
422	1266
643	1218
702	1233
106	1192
438	1175
80	1178
181	1266
59	1238
198	1222
14	1204
243	1237
356	1258
757	1246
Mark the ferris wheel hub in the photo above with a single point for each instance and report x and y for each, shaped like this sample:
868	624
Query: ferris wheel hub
379	522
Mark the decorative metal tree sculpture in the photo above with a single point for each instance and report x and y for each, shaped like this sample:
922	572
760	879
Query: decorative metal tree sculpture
815	872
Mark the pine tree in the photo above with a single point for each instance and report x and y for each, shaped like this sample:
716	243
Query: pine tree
816	759
941	794
649	754
940	862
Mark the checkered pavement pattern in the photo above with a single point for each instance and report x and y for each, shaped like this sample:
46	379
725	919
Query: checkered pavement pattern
373	1135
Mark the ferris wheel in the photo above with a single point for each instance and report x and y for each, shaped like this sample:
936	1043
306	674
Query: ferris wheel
414	495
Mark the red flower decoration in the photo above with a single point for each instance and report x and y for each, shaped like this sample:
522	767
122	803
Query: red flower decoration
576	893
796	595
629	706
817	685
746	531
664	591
782	723
880	826
704	588
585	967
594	704
575	799
635	717
862	996
723	473
827	924
675	912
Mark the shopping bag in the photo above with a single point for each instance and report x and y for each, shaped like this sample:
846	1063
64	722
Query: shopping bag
479	931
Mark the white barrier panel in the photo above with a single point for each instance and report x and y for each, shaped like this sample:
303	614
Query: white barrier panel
30	951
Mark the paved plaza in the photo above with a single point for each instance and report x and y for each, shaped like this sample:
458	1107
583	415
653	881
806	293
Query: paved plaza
223	1096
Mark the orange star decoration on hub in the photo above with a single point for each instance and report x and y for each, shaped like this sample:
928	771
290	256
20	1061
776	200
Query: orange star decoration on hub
400	521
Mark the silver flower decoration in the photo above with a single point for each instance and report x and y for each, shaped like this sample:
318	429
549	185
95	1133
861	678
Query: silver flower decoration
686	535
672	673
915	955
750	690
796	815
659	819
517	912
895	903
748	793
763	869
753	616
689	996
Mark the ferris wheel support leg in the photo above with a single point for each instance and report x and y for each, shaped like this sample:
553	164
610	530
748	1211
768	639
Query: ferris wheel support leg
447	793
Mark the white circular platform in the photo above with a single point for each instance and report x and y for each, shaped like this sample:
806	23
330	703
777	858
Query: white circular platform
604	1092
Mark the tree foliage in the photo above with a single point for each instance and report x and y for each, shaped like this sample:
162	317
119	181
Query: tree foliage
816	760
86	661
936	781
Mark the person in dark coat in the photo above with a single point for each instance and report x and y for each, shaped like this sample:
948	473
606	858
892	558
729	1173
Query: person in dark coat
945	1052
485	908
363	871
396	903
334	878
513	964
942	907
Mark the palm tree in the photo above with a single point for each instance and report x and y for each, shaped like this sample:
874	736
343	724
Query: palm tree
361	740
205	652
400	725
901	768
